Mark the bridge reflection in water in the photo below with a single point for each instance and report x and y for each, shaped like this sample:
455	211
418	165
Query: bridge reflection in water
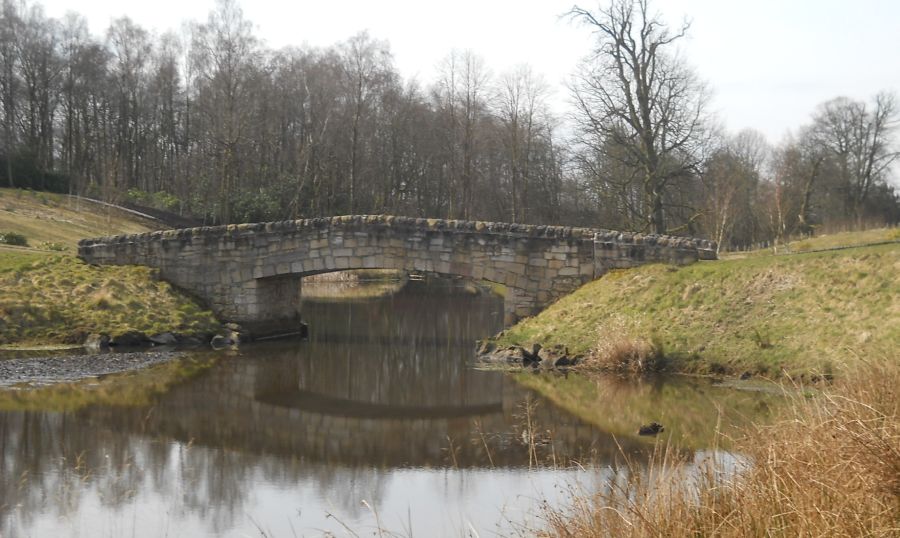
379	405
382	383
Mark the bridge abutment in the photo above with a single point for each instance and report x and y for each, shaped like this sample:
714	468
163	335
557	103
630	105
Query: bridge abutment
266	299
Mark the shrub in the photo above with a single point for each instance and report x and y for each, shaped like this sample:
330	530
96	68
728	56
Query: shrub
13	238
627	356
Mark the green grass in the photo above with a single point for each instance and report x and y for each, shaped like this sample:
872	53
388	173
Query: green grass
48	296
826	241
804	313
62	299
19	259
46	219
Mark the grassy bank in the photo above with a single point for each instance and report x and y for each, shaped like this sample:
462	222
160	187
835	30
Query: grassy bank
800	313
49	296
60	299
829	467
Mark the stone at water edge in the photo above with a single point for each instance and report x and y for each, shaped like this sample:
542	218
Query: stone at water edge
96	341
651	429
230	338
164	339
128	339
486	347
218	342
192	341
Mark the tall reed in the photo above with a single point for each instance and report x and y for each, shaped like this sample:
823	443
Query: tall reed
829	467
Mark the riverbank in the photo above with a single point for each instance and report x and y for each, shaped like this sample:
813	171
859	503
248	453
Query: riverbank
48	299
48	296
805	315
67	368
828	466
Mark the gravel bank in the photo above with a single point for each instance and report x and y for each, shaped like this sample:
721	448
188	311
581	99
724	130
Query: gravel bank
45	370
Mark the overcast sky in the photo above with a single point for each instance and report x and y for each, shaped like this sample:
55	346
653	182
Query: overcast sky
769	62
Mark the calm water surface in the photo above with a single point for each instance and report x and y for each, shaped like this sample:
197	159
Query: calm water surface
379	419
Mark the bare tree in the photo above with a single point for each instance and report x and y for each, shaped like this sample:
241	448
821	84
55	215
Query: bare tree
731	177
520	105
225	52
460	94
37	44
634	96
10	23
131	48
860	140
366	68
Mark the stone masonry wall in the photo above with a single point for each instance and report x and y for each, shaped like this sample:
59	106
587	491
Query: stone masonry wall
251	272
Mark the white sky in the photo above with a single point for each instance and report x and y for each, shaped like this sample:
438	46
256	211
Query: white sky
769	62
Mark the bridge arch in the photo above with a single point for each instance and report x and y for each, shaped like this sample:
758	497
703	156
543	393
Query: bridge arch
252	272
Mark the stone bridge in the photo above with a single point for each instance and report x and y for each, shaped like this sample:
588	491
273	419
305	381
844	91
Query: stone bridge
252	272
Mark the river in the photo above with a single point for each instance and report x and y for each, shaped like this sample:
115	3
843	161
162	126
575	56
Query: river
379	420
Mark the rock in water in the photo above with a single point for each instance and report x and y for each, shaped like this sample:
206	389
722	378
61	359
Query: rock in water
531	357
218	341
651	429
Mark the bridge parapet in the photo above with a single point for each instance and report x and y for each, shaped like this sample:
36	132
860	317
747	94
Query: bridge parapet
250	272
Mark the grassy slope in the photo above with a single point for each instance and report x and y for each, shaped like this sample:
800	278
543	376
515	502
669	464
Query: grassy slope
56	218
801	313
52	297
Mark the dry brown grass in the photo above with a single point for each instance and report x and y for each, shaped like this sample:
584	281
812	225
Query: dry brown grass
626	356
830	467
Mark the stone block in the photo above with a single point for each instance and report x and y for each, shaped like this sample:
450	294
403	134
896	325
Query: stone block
521	282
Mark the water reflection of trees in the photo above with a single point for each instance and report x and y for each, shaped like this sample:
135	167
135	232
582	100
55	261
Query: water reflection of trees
205	445
53	461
